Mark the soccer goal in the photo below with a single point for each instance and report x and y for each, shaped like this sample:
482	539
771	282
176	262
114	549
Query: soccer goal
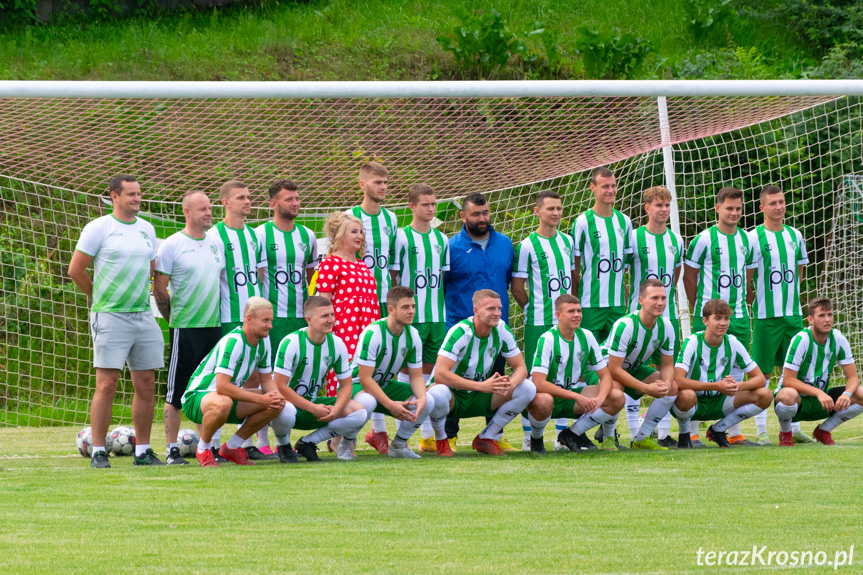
62	141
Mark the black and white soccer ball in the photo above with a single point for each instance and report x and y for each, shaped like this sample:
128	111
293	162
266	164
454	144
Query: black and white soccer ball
123	441
187	442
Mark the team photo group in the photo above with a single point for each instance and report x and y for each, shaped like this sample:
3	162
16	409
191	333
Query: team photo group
411	325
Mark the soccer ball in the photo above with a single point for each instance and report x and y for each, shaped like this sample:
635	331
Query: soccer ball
187	441
84	442
123	441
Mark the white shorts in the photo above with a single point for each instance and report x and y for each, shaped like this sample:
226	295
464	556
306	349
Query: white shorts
130	337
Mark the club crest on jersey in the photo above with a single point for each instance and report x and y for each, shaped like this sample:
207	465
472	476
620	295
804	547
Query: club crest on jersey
146	238
215	251
404	351
620	232
655	342
328	359
723	361
580	356
491	352
387	230
673	250
438	249
793	246
567	250
303	247
742	249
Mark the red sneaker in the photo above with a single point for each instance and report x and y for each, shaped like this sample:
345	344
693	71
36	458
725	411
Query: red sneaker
206	458
238	456
443	448
786	439
266	450
489	446
379	440
823	436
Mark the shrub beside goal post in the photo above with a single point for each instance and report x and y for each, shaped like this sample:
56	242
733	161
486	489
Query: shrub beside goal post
60	142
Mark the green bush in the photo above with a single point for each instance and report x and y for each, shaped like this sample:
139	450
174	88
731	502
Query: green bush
703	14
608	55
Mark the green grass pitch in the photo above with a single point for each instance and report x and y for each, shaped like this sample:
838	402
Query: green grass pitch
626	512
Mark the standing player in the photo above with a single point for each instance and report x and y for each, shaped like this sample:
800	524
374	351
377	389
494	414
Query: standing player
707	388
190	262
421	260
465	384
216	393
716	268
386	347
563	355
805	393
122	248
779	254
657	252
381	226
302	362
544	261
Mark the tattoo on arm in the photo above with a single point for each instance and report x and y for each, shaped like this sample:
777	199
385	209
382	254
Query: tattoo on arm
163	302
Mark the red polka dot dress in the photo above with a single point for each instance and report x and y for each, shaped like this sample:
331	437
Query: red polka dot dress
355	302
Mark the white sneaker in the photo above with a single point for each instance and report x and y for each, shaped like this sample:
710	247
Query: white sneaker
345	449
403	452
525	444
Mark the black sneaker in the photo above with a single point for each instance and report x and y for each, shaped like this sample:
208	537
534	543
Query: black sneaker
286	454
584	443
573	441
174	457
307	450
668	441
537	445
100	460
257	455
718	437
148	458
219	459
683	441
599	437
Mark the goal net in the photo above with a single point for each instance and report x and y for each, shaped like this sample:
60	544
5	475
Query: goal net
58	154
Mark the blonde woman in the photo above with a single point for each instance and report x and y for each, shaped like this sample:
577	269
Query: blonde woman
347	281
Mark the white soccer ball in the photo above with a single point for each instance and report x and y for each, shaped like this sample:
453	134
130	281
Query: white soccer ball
84	442
187	442
123	441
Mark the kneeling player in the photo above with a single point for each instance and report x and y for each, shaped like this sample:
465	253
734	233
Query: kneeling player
463	385
803	393
563	354
633	340
302	362
707	390
215	395
384	348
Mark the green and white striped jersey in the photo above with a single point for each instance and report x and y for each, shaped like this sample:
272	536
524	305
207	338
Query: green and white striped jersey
635	343
243	256
709	364
307	364
546	264
565	362
722	261
121	254
474	356
388	354
380	246
193	267
813	362
288	255
603	244
775	257
655	257
232	356
421	260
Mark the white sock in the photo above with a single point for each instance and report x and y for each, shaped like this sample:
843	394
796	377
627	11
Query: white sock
663	430
406	429
442	397
590	420
658	409
761	422
694	425
537	428
795	427
250	442
204	445
526	426
734	430
141	449
426	429
235	442
608	426
785	413
347	426
840	417
379	423
98	448
284	423
522	395
632	415
736	416
560	424
684	419
216	437
263	437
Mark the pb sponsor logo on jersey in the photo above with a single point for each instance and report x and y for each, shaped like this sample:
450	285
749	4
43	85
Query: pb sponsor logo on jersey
556	284
376	259
663	276
427	279
610	264
289	276
244	277
783	275
730	279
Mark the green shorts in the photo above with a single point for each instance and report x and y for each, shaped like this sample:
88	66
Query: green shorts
432	335
532	333
590	378
810	408
640	373
656	358
709	407
228	327
598	320
307	421
283	327
397	391
739	328
192	408
770	340
470	404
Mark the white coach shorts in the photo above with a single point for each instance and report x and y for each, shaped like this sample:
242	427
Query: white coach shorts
127	337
